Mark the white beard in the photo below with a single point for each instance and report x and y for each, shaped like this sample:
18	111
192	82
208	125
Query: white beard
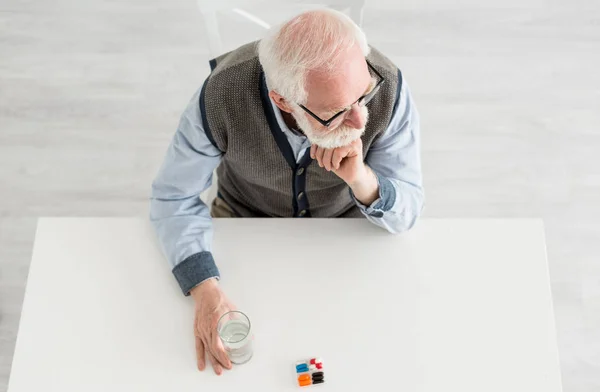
340	136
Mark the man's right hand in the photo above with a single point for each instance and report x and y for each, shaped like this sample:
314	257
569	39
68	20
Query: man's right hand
211	304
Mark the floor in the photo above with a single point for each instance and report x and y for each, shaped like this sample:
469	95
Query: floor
90	94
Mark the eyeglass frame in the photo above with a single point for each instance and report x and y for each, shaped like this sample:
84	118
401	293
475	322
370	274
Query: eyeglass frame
370	95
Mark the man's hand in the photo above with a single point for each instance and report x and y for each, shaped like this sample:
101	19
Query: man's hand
347	163
211	304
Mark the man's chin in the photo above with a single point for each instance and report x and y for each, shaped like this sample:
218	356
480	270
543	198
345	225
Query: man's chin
336	142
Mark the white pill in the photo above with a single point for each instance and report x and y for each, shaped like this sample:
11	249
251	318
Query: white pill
312	367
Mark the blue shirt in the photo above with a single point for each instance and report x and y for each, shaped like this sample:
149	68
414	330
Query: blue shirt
183	222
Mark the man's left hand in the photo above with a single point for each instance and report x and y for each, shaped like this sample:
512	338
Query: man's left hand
348	164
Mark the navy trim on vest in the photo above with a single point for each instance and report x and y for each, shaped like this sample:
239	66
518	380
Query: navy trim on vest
299	170
204	118
398	90
299	185
280	138
213	64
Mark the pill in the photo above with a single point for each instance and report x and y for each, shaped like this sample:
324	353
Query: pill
312	367
301	369
318	381
317	374
319	360
300	363
313	361
305	383
319	366
304	377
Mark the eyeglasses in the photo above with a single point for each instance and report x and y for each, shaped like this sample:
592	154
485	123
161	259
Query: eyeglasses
362	101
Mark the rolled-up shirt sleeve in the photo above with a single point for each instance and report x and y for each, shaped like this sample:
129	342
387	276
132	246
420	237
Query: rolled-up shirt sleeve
396	160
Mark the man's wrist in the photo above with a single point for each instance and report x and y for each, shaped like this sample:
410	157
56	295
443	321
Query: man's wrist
209	284
366	188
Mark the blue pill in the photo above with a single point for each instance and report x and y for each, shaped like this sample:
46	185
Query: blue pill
301	368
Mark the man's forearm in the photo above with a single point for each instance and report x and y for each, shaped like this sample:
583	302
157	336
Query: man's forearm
184	230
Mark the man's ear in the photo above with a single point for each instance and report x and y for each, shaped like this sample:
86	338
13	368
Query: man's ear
281	102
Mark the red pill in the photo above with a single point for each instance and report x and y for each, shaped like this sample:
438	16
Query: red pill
319	366
313	361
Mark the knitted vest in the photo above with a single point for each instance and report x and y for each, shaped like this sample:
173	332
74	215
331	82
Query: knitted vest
259	176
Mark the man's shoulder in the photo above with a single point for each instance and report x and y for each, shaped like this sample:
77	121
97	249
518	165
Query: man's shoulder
382	62
243	59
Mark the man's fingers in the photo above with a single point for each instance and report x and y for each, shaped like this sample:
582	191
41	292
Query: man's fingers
200	355
338	155
327	159
219	353
312	151
319	153
215	364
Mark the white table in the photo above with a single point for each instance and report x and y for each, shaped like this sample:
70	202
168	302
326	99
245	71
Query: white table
454	305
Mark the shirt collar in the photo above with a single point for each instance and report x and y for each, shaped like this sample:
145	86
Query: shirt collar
281	122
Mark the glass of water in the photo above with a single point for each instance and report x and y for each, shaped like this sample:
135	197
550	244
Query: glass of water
234	329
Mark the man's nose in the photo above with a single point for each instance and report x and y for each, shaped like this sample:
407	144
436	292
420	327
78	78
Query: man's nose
355	118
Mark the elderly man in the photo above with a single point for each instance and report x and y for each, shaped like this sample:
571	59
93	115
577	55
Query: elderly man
284	121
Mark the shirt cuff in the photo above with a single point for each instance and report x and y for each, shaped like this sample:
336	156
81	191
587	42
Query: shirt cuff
195	270
385	201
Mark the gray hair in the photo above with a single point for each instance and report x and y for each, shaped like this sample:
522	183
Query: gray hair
312	41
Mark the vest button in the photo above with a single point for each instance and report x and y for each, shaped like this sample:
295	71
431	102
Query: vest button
300	171
300	195
302	213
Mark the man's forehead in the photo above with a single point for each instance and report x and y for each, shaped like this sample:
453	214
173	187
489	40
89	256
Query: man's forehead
340	88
